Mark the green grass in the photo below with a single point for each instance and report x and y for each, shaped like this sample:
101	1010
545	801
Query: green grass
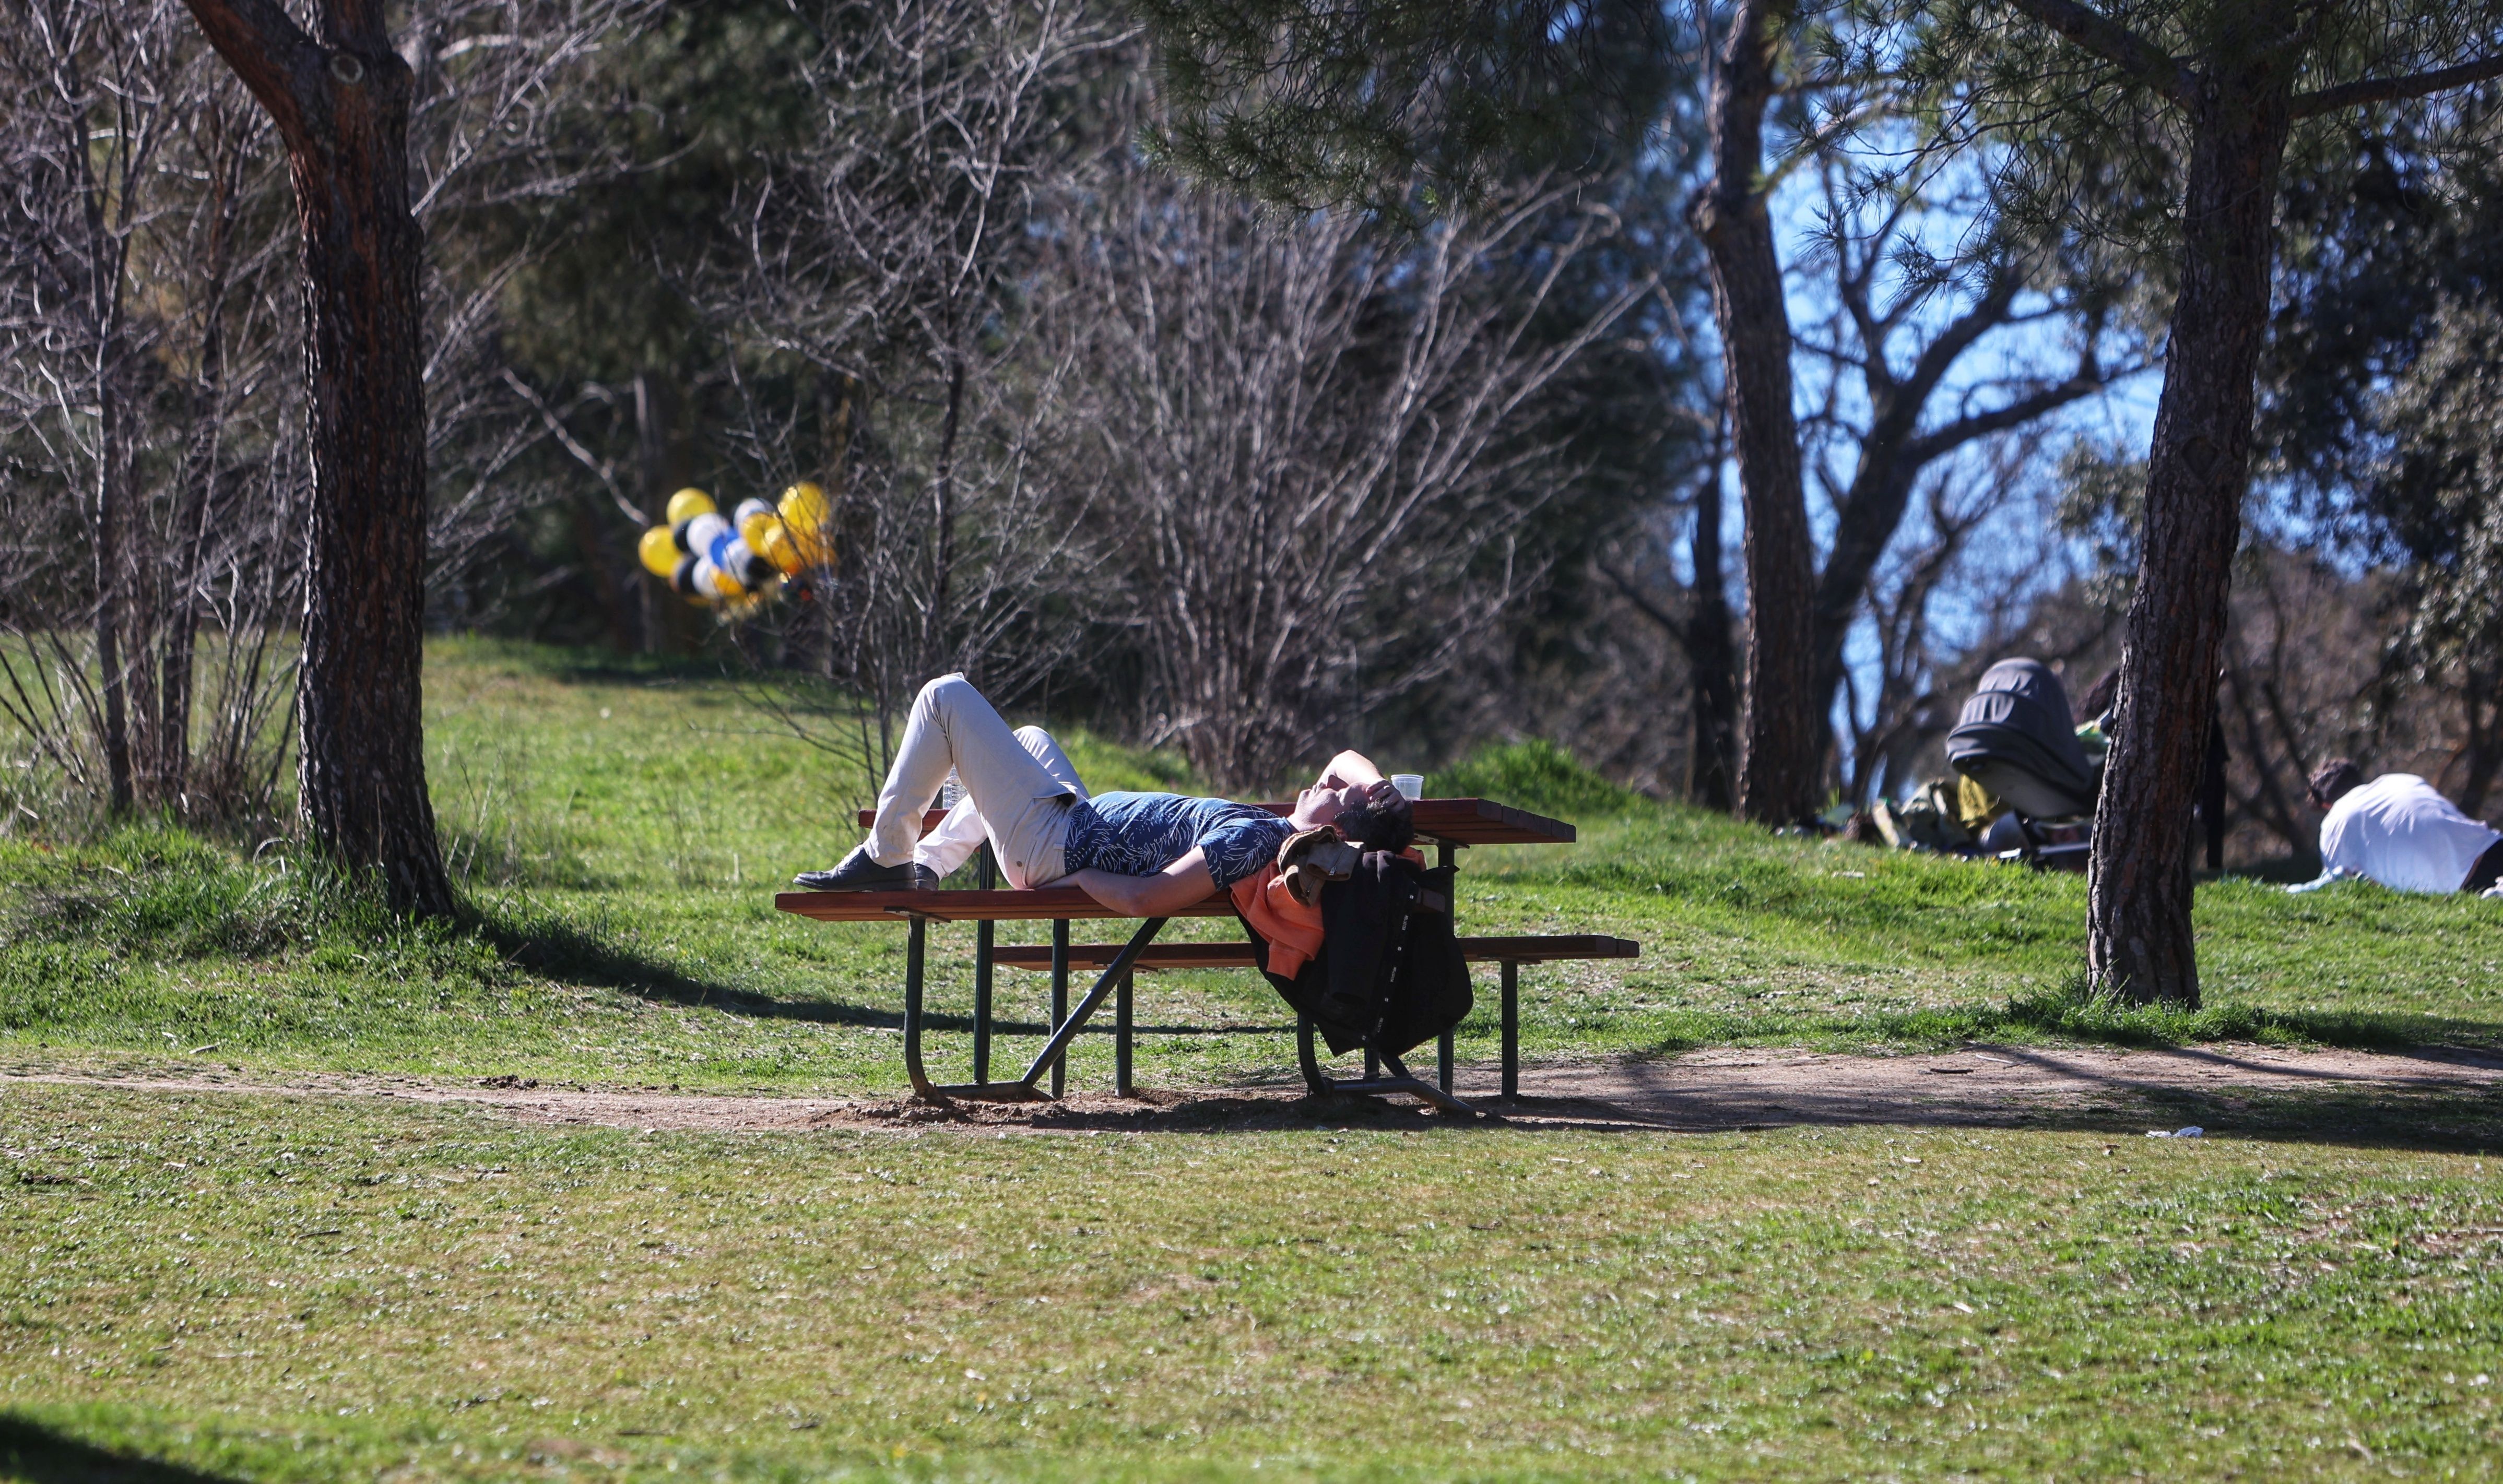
620	828
280	1290
203	1287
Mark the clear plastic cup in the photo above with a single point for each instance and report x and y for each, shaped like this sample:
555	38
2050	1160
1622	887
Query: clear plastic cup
1411	786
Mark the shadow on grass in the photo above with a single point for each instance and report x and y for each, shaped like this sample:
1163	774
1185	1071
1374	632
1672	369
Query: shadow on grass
2432	1105
2072	1015
39	1455
582	954
575	954
2455	1123
578	955
2078	1013
2420	1119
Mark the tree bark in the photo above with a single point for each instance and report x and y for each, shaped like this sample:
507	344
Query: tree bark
1711	660
195	485
2483	750
1779	774
113	568
671	626
2139	938
342	104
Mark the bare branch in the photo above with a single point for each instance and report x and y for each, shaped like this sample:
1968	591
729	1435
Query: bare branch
1950	436
601	468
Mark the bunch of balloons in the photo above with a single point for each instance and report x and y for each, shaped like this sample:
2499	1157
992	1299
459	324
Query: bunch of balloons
737	564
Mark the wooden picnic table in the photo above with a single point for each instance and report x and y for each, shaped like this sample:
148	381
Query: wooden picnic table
1448	823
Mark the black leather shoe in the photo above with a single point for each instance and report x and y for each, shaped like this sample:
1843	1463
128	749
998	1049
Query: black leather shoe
857	872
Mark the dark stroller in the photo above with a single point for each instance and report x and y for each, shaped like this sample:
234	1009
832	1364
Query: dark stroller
2016	740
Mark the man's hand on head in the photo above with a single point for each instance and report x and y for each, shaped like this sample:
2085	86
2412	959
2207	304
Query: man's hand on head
1380	797
1373	817
1317	806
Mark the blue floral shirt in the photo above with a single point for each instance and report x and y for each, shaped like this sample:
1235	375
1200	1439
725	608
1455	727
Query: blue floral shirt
1139	834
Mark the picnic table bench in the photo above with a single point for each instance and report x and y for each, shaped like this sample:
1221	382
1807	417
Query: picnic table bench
1448	823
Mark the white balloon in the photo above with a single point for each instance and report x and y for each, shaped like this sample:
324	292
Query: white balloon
703	531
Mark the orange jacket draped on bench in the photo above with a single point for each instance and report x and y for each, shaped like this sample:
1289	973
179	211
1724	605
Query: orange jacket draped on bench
1292	928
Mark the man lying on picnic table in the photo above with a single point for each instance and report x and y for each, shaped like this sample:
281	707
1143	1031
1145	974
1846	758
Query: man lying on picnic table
1139	854
1393	975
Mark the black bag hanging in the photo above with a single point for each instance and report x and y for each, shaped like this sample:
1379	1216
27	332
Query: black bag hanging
1390	972
1428	991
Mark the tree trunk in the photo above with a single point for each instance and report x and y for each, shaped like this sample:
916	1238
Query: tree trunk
2138	939
141	592
195	486
1779	775
113	518
342	104
1711	763
359	695
671	626
108	639
2483	750
1873	512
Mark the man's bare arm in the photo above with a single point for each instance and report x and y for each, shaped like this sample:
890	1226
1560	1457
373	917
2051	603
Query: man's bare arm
1348	769
1358	783
1184	883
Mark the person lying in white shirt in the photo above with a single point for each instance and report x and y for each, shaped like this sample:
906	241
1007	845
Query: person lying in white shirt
2399	831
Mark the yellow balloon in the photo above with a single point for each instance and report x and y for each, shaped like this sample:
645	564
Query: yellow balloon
805	512
689	503
728	585
804	504
780	549
753	530
658	552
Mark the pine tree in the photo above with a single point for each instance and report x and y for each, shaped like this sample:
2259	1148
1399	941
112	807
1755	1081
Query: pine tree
2219	87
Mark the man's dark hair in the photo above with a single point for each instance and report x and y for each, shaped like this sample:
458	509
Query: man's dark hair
2333	780
1370	827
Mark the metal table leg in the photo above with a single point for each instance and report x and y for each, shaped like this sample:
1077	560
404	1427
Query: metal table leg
1069	1025
983	939
915	947
1065	1025
1059	996
1399	1080
1320	1082
1121	1037
1511	1032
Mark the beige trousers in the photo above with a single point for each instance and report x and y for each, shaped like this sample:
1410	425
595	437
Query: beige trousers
1018	786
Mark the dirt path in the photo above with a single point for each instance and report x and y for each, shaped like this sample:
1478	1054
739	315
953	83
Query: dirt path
1708	1090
